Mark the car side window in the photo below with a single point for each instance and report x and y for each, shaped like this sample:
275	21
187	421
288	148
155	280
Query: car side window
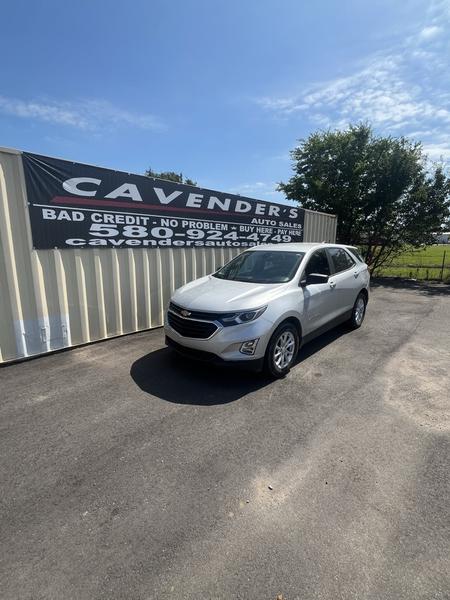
341	259
355	254
318	263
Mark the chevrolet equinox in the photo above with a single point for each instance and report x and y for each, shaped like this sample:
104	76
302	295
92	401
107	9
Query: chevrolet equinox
259	308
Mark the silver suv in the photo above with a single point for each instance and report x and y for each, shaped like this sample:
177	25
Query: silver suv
264	304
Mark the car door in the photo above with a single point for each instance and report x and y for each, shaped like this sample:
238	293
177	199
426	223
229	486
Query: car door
317	298
344	280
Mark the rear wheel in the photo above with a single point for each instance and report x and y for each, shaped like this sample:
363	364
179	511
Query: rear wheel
358	312
282	350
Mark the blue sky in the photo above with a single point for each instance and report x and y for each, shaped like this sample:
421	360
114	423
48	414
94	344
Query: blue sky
220	90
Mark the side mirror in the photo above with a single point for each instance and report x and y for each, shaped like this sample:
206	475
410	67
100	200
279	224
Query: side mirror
313	279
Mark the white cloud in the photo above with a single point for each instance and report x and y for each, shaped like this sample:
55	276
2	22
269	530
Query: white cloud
379	93
52	113
259	188
83	114
436	143
428	33
438	152
438	11
264	190
400	91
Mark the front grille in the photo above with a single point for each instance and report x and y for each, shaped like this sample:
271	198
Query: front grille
191	328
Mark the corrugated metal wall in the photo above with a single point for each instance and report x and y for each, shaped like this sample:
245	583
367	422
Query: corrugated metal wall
320	227
51	299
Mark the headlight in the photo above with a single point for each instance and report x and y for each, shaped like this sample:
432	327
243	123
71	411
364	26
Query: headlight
241	317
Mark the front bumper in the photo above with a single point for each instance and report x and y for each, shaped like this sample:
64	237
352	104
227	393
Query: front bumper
226	342
254	364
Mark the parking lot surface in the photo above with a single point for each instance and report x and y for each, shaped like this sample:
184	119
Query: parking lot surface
129	473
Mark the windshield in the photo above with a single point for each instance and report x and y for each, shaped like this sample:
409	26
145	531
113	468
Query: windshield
262	266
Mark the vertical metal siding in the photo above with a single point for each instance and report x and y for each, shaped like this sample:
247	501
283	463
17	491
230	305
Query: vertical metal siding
52	299
320	227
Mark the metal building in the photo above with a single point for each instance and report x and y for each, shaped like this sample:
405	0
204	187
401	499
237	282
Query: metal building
61	297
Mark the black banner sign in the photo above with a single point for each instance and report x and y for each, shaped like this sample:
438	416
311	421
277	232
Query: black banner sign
81	206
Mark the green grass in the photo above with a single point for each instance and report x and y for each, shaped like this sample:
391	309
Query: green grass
420	263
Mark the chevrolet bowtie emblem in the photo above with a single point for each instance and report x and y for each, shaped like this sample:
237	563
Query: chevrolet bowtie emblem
185	313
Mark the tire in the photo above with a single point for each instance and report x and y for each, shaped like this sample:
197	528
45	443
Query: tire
358	312
278	363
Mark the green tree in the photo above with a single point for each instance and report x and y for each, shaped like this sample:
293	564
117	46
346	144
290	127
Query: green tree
383	191
170	176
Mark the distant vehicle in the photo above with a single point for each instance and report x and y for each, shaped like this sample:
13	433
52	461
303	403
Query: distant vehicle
264	304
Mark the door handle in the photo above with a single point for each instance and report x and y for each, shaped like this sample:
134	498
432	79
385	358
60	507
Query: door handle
332	284
356	273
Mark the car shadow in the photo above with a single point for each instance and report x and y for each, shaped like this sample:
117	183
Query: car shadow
174	378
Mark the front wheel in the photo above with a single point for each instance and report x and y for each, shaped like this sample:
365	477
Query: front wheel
358	312
282	350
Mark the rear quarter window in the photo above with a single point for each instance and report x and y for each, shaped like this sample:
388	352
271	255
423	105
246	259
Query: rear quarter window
355	253
341	259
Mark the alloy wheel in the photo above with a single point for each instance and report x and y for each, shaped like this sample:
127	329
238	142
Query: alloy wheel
359	310
284	350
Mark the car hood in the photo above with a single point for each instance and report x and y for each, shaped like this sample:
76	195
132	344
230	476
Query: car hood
221	295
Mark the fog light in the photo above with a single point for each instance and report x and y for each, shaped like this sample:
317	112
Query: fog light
249	347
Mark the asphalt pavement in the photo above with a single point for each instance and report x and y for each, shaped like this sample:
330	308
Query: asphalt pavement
129	473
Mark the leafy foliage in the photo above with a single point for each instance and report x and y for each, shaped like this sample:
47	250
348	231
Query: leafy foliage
170	176
380	188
